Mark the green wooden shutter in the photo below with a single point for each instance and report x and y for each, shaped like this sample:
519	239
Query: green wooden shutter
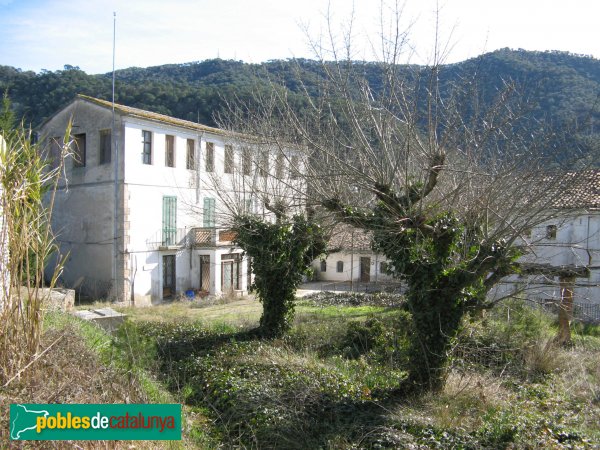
209	212
169	220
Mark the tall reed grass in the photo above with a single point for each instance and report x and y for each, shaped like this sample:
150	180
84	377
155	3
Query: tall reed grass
28	183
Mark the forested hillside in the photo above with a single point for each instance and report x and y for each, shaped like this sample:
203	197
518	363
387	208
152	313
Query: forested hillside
560	87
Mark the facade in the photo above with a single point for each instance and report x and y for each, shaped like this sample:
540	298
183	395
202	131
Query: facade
351	260
138	213
570	243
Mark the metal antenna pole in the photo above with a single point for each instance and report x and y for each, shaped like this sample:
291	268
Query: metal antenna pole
116	171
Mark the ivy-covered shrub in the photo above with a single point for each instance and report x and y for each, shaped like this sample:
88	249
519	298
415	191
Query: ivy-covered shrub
280	254
326	298
513	337
381	340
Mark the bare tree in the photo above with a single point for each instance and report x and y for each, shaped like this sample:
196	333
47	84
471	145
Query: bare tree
261	196
448	184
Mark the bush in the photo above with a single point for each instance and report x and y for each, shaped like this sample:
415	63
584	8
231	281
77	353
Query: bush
354	299
381	340
511	337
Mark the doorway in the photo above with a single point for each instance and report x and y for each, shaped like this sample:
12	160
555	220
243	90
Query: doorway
168	276
365	269
205	273
230	272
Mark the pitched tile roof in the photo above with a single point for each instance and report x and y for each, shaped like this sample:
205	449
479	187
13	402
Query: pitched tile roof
143	114
579	190
346	237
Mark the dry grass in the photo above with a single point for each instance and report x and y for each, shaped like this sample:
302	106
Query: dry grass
462	404
239	311
71	372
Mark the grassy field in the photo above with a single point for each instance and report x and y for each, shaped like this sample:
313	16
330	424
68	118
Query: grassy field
328	383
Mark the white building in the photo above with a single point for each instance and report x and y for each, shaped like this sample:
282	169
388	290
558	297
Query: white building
351	262
168	234
572	242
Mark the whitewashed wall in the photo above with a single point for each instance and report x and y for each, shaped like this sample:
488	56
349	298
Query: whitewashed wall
351	267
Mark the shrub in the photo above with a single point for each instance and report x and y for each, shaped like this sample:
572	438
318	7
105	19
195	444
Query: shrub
513	336
354	299
382	340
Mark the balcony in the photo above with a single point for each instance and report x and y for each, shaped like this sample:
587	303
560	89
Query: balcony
168	239
172	238
194	237
211	237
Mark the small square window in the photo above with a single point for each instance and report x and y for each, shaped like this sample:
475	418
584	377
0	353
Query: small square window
551	232
383	267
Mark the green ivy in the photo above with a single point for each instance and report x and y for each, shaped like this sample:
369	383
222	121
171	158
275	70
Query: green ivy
280	254
446	263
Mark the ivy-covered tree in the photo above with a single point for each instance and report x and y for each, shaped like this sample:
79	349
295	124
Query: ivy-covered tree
447	184
280	253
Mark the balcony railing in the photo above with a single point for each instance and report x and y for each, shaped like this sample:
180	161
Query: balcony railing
211	237
196	237
168	238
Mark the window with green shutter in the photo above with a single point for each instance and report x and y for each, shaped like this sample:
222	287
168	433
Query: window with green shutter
169	220
209	212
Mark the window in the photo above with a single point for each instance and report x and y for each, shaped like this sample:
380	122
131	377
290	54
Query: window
340	266
279	166
323	266
263	165
231	272
209	163
147	146
551	232
383	267
246	161
228	159
169	151
105	146
208	215
55	152
79	150
191	154
294	167
169	220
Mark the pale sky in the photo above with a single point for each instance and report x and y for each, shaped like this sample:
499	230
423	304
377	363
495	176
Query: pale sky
47	34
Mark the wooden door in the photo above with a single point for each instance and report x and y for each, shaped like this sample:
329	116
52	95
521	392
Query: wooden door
365	269
168	276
